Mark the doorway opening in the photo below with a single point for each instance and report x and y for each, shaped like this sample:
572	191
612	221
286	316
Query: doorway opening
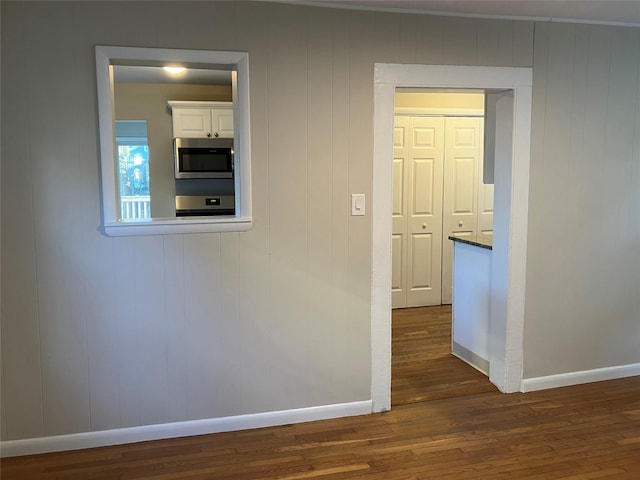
511	173
439	191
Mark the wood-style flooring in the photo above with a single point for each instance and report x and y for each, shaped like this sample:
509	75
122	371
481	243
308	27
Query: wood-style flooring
574	433
422	365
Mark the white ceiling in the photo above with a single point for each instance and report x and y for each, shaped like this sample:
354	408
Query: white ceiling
589	11
149	74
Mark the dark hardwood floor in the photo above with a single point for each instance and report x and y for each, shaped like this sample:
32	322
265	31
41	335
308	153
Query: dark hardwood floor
574	433
422	366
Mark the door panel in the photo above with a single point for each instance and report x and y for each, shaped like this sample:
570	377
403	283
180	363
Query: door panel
464	176
191	122
399	219
398	187
397	272
222	122
485	210
423	169
421	255
424	220
460	208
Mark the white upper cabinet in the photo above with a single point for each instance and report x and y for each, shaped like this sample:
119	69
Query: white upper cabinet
202	119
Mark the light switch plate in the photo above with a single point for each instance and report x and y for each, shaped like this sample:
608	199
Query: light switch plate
357	204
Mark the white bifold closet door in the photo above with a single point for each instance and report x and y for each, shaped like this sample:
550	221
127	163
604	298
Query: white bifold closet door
437	192
417	211
468	202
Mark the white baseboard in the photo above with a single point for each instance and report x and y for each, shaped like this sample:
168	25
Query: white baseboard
576	378
74	441
467	356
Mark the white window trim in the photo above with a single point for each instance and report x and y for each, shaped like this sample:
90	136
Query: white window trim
239	63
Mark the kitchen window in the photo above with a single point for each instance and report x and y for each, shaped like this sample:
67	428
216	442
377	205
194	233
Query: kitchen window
114	223
133	169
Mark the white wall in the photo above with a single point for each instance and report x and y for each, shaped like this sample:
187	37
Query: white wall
278	317
583	268
410	98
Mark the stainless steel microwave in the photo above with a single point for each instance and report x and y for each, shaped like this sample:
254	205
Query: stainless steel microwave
203	157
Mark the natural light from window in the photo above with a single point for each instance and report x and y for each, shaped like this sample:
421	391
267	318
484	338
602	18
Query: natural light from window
133	170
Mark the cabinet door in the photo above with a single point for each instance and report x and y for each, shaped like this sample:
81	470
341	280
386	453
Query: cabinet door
222	122
203	122
191	122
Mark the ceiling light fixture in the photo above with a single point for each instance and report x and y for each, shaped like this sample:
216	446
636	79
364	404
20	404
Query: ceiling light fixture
174	70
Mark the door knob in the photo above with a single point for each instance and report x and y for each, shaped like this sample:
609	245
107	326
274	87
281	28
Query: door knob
424	225
459	224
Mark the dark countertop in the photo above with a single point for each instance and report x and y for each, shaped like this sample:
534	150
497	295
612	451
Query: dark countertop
470	242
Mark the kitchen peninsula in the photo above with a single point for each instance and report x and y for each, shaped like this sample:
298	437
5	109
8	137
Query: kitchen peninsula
471	302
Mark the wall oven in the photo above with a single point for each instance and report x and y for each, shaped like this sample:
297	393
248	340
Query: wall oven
203	157
205	205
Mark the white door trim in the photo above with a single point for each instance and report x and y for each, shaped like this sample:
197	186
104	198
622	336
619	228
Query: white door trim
511	218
